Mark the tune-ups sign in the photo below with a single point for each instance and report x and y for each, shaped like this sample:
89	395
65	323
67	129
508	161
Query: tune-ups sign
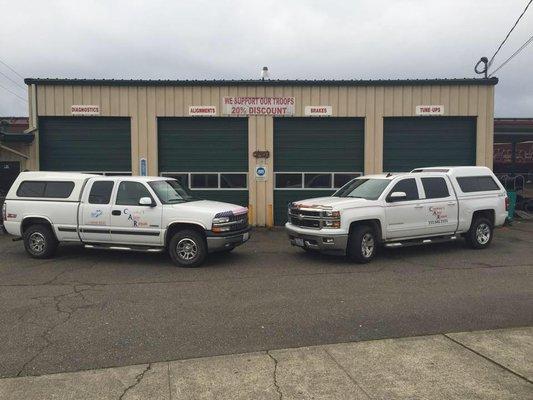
429	110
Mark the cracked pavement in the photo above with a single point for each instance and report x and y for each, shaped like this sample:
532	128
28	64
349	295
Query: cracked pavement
88	309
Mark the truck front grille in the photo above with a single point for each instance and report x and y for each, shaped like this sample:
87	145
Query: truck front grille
305	223
240	222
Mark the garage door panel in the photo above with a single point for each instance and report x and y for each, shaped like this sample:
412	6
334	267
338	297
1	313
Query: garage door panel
409	143
205	145
314	145
84	144
310	144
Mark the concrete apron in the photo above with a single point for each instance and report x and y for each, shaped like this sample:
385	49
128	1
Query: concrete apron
494	364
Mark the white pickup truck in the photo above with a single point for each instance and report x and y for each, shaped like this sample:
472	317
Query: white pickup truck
424	206
120	212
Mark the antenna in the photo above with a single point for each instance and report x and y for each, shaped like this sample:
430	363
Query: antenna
264	74
484	61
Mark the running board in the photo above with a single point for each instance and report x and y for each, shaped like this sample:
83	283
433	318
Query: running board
416	242
144	249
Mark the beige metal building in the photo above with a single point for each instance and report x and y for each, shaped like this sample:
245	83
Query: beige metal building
259	143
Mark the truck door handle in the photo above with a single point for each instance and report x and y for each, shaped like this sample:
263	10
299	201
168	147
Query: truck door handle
116	212
419	206
451	203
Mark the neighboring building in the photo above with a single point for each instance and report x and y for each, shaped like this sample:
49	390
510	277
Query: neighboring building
260	143
513	157
14	150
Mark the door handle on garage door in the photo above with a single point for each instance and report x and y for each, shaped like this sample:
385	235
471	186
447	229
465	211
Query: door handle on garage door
116	212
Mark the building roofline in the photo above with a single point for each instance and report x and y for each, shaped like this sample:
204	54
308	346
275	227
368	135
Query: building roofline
250	82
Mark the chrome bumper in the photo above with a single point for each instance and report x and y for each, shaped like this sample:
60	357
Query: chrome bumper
219	243
319	240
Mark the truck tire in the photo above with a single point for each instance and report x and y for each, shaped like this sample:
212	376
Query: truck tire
480	233
40	241
187	249
362	244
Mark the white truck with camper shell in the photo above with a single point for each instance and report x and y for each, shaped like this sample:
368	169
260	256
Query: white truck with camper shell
426	205
120	212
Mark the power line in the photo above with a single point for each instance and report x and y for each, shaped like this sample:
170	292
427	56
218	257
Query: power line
14	94
508	34
13	70
513	55
13	81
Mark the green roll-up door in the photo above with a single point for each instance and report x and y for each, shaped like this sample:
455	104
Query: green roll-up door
205	145
85	144
314	145
412	142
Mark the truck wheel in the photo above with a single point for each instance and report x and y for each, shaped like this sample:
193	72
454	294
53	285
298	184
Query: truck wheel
480	233
362	244
40	241
187	249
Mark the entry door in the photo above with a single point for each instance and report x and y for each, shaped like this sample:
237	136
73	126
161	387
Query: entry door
9	171
132	223
440	205
405	217
95	212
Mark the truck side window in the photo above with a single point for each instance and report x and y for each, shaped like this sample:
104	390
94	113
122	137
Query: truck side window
101	192
408	186
470	184
435	188
129	193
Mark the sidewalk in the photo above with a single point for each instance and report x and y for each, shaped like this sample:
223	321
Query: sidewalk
494	364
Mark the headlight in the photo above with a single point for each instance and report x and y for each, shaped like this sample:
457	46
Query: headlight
332	214
220	220
332	224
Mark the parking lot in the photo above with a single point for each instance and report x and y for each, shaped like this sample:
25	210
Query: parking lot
89	309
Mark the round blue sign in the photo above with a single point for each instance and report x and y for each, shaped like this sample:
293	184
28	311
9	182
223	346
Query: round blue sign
260	171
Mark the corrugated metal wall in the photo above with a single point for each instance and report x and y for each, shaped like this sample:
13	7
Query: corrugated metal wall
145	103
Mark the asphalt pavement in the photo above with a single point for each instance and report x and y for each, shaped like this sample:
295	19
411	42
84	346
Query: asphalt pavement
88	309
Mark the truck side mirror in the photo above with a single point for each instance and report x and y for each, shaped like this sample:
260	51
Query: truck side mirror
146	201
397	196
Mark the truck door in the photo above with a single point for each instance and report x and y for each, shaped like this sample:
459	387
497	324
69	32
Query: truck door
440	205
405	216
132	223
95	212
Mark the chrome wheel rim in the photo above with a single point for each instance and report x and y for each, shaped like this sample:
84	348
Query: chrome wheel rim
37	242
483	233
187	249
367	245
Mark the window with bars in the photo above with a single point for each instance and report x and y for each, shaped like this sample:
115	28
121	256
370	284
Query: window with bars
313	180
210	180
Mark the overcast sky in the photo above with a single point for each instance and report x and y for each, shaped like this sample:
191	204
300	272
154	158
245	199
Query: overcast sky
357	39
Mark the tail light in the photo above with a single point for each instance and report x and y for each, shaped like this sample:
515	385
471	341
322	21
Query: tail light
506	203
4	212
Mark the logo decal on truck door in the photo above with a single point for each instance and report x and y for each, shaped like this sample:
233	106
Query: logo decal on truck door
135	218
437	215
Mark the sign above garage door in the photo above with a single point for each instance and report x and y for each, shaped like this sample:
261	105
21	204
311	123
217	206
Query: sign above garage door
429	110
275	106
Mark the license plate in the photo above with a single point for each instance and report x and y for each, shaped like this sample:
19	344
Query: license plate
246	236
299	242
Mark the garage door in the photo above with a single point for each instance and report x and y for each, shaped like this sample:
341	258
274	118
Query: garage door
209	155
85	144
313	157
410	143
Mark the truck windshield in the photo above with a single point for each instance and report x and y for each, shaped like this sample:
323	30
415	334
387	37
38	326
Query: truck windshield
171	192
369	189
